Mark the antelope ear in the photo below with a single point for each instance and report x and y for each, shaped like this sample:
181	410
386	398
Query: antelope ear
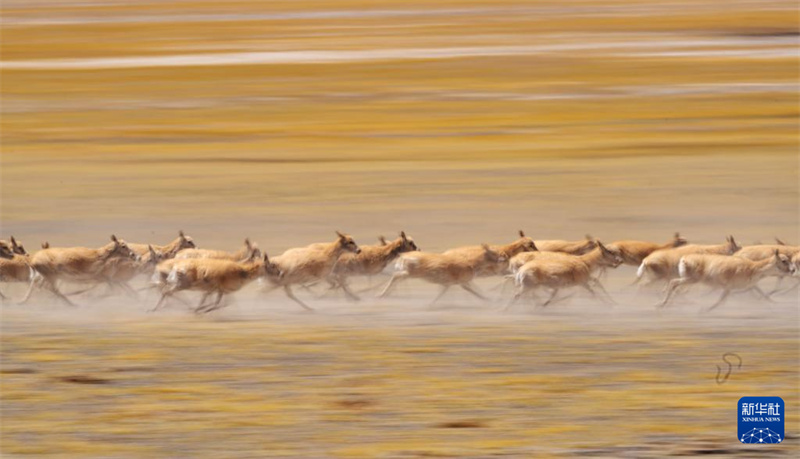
181	235
677	235
152	251
114	238
589	237
247	243
341	236
45	245
486	247
778	240
266	258
14	242
521	233
403	235
602	247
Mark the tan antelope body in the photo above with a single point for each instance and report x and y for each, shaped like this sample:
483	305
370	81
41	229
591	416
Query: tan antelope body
444	269
167	251
475	254
558	271
570	247
118	272
310	264
74	264
634	252
727	273
372	260
764	251
211	275
242	254
662	265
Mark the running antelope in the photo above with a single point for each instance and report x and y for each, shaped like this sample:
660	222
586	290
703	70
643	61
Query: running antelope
727	273
763	251
213	275
309	264
634	252
241	254
76	264
445	269
475	255
372	260
662	265
558	271
167	251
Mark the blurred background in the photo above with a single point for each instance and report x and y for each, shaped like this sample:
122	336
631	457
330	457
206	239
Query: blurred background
458	121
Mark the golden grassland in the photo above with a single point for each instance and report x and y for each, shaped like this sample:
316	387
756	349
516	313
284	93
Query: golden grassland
624	119
322	387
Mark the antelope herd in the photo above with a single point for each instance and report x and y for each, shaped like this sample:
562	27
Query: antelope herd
553	265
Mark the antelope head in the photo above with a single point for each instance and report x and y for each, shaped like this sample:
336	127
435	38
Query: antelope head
589	245
121	249
783	263
678	241
186	242
270	268
408	243
17	248
154	256
733	247
609	257
6	251
347	243
492	256
527	243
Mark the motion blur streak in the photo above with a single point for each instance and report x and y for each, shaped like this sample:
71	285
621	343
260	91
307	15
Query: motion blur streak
458	121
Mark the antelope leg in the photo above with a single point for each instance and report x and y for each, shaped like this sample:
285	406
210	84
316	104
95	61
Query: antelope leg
444	289
396	277
720	300
472	290
290	294
552	295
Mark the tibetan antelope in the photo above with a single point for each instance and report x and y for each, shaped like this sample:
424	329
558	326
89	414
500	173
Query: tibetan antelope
167	251
444	269
727	273
372	260
241	254
634	252
763	251
662	265
570	247
310	264
118	272
558	271
75	264
476	254
213	275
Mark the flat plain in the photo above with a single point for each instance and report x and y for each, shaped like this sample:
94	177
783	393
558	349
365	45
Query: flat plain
459	122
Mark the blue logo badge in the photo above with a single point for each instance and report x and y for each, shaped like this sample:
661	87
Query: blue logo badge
761	419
